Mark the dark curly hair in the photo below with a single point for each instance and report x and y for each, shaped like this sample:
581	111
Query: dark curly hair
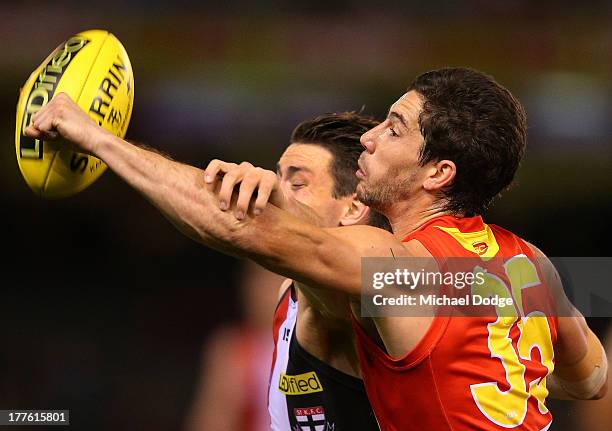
470	119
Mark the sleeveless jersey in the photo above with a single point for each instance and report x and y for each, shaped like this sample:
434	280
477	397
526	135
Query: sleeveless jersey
470	373
306	394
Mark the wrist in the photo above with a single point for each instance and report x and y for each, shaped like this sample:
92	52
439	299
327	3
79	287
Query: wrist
102	142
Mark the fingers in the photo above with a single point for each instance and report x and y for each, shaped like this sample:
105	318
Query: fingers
44	123
247	187
255	178
266	186
34	129
216	167
250	178
33	132
230	179
43	128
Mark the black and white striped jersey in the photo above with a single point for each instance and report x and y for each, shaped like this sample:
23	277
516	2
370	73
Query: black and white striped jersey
306	394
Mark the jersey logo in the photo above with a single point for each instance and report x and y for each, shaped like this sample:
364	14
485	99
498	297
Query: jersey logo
480	247
310	418
299	384
483	242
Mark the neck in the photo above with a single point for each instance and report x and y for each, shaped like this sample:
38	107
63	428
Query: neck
406	217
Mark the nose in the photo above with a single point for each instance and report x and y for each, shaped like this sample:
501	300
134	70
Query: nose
367	141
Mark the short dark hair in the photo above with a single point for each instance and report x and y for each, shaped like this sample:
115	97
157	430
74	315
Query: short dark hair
340	134
470	119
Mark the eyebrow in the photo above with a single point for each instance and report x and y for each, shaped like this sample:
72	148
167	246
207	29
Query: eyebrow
400	117
292	169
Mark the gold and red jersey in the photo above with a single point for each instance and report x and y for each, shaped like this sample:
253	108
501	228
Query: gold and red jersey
471	373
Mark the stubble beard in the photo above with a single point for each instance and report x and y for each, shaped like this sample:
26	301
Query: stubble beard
383	193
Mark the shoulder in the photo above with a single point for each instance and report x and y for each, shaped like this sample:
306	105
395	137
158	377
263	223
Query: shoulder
552	280
543	261
536	251
414	247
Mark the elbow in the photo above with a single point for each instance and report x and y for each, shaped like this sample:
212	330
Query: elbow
602	392
594	387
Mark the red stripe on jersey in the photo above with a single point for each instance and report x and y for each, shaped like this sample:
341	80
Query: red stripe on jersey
280	315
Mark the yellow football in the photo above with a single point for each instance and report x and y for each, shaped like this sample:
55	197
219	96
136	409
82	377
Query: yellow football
93	68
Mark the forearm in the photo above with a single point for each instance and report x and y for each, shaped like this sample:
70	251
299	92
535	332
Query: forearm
176	189
275	239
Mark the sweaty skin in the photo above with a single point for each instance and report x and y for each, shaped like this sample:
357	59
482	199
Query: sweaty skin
325	258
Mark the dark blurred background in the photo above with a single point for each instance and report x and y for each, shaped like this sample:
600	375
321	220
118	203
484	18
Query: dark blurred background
105	307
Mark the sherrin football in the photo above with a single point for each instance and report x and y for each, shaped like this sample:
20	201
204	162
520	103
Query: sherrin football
93	68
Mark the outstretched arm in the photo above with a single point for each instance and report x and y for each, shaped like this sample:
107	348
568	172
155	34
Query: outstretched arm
327	258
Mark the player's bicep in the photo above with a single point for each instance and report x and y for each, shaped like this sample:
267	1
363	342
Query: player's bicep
580	360
342	256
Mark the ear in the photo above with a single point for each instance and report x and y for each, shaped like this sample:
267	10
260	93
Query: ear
440	175
355	212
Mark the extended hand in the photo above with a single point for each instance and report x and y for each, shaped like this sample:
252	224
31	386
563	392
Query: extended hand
250	178
61	117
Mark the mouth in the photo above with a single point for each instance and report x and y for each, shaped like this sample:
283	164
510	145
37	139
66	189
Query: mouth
360	173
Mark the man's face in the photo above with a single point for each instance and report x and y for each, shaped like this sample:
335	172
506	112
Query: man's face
389	169
304	172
